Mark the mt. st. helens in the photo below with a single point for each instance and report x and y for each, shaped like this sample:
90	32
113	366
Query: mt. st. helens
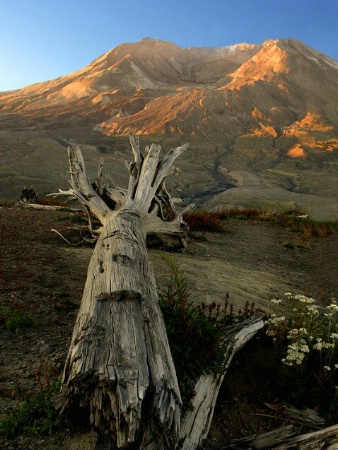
260	118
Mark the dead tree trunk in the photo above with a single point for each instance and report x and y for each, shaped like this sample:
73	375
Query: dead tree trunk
119	370
119	367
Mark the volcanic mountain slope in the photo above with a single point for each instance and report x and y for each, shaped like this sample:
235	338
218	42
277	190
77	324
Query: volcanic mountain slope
269	110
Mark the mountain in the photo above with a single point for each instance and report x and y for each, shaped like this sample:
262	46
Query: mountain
260	119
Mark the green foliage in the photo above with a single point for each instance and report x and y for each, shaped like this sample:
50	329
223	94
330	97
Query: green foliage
194	332
35	415
296	245
245	213
14	315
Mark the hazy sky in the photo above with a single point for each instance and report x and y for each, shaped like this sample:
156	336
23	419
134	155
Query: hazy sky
44	39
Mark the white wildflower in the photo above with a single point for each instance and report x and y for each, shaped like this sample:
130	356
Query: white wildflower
329	345
293	333
296	353
294	357
277	320
303	299
312	310
327	368
320	345
333	308
271	332
276	301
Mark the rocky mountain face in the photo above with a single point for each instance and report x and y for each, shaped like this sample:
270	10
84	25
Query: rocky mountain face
258	118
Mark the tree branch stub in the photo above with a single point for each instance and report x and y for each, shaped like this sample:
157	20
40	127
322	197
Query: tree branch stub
81	186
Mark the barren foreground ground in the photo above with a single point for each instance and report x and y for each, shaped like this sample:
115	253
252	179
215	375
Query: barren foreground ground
252	261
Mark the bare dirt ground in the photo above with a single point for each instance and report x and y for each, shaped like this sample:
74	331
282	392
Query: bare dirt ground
251	261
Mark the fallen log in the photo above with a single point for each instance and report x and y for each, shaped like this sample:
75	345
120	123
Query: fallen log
48	207
284	439
327	438
262	441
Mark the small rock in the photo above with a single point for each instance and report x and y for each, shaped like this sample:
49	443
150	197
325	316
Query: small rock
85	441
46	349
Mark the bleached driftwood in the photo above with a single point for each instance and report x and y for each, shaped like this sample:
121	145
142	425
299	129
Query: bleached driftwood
47	207
327	438
262	441
196	424
119	367
285	439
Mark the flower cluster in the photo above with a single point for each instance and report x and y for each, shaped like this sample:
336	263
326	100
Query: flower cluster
308	327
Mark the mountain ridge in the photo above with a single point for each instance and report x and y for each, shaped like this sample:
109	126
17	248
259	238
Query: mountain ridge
265	109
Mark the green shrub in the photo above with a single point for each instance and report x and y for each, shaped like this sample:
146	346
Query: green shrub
244	213
35	415
296	245
302	224
195	333
14	315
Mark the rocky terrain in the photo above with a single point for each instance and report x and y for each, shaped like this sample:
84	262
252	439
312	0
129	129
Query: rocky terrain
261	121
252	261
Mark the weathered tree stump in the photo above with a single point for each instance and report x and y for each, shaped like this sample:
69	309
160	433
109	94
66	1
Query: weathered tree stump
119	368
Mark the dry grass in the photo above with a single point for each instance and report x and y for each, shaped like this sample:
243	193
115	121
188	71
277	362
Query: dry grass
204	221
49	201
294	219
